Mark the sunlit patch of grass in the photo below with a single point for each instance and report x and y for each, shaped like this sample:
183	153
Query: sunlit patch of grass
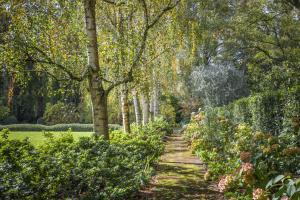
37	137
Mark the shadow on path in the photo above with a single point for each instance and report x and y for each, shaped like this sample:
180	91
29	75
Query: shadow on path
179	176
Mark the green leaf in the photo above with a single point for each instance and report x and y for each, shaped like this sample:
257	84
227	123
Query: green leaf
280	192
296	196
277	179
291	190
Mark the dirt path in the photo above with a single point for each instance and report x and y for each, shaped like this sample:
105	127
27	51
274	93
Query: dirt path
179	176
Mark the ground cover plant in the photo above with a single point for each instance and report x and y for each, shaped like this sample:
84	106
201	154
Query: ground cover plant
86	168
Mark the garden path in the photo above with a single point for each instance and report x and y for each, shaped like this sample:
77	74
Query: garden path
180	175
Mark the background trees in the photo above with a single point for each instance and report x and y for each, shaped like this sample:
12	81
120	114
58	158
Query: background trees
55	40
166	59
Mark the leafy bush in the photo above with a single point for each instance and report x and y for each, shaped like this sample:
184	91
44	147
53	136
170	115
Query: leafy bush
291	121
60	113
284	188
91	168
267	113
242	112
57	127
4	113
248	142
10	120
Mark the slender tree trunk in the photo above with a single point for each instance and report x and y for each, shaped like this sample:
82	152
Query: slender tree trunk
145	108
151	111
156	101
11	92
98	94
136	105
125	109
4	84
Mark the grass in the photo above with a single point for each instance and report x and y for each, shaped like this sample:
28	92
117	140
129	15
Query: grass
37	137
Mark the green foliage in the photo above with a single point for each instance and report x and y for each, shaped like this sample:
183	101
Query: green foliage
291	121
90	168
10	120
249	142
168	111
57	127
242	112
271	111
61	113
281	186
4	112
266	110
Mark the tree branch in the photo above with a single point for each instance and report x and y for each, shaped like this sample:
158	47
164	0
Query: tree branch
49	61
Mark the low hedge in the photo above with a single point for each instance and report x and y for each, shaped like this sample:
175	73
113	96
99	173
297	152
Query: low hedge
57	127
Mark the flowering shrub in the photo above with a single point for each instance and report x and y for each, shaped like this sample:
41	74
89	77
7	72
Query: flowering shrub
242	159
260	194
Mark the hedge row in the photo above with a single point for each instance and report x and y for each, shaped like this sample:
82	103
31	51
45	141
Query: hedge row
272	112
57	127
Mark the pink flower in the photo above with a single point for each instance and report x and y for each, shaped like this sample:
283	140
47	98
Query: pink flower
247	168
259	194
225	183
284	198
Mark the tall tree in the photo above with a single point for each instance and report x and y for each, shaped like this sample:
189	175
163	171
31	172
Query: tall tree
54	38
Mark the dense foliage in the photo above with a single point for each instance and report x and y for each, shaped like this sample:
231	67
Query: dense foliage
57	127
247	143
90	168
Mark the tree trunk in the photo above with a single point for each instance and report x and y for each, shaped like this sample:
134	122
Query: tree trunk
136	105
125	109
98	94
151	111
100	115
155	101
145	108
4	84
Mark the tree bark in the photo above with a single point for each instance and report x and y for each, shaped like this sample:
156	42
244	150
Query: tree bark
136	105
156	100
100	115
125	109
145	108
4	84
98	94
151	108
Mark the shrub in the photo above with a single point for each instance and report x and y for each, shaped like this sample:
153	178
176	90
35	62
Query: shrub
291	121
57	127
251	140
4	112
91	168
10	120
242	112
244	151
266	111
61	113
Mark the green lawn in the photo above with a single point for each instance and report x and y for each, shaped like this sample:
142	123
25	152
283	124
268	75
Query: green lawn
37	137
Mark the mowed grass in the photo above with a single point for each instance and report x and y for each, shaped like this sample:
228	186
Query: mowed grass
37	137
